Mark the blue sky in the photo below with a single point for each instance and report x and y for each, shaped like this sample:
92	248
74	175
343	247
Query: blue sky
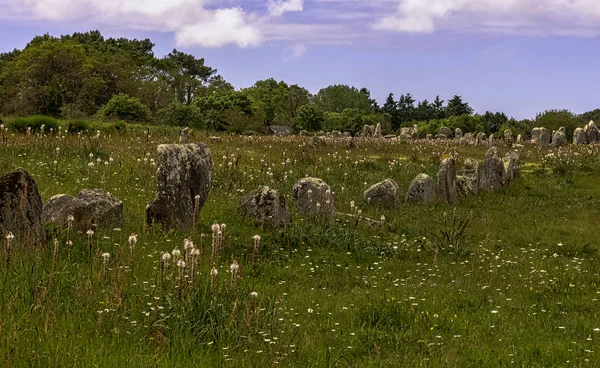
516	56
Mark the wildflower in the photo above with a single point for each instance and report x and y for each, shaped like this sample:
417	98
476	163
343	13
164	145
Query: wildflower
105	257
213	279
9	239
254	294
234	270
255	252
90	233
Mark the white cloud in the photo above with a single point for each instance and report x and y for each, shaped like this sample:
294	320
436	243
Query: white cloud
295	51
279	7
496	16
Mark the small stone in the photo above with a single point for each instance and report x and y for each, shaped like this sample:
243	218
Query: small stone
384	194
267	207
313	197
420	190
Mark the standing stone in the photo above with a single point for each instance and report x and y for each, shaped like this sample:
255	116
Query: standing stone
377	133
91	209
303	133
543	139
184	173
579	136
21	209
384	194
420	190
493	173
481	138
442	137
509	137
184	136
267	207
520	139
368	131
512	167
313	197
592	133
469	138
559	139
458	134
414	132
447	132
446	182
429	136
316	141
535	135
467	180
491	140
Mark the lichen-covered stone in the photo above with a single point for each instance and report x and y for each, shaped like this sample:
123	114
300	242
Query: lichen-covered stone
446	182
313	197
579	136
447	132
458	133
384	194
184	172
21	209
592	133
559	139
420	190
267	207
509	138
512	167
184	136
493	172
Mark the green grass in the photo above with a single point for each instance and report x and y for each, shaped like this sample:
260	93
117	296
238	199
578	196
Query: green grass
329	293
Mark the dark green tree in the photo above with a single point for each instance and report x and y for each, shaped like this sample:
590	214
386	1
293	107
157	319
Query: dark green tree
456	107
390	107
309	118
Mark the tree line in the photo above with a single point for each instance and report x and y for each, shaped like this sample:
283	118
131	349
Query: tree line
85	75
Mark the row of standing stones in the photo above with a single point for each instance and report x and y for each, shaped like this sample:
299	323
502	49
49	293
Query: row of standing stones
184	178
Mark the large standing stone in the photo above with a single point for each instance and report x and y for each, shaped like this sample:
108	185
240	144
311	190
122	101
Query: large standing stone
509	138
592	133
414	132
313	197
377	133
559	139
579	136
91	209
491	140
458	134
469	139
544	139
520	139
184	173
21	209
492	175
467	180
512	167
267	206
446	182
368	131
384	194
447	132
535	135
481	139
420	190
184	136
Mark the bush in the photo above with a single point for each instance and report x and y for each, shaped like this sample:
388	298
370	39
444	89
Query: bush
124	107
75	126
182	115
34	122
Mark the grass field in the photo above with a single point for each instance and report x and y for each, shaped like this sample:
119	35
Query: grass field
520	287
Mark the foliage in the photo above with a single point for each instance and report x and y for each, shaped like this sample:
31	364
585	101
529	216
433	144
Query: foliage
554	119
34	122
456	107
337	98
124	107
309	118
182	115
77	125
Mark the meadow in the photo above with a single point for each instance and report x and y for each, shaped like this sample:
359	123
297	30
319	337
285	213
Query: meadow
518	287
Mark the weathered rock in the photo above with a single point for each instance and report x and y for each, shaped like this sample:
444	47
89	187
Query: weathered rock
384	194
469	138
368	131
592	133
535	135
466	186
509	137
184	175
316	141
491	140
493	172
429	136
184	136
579	136
414	132
350	143
91	209
441	137
216	139
267	207
544	139
447	132
520	139
420	190
336	134
377	133
446	182
21	209
389	136
559	139
347	134
481	139
458	134
303	133
313	197
512	167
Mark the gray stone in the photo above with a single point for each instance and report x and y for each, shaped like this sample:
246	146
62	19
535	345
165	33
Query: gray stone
336	134
446	182
429	136
466	186
491	140
481	139
509	137
91	209
184	136
267	207
377	133
414	132
303	133
592	133
441	137
458	134
447	132
420	190
579	136
535	135
520	139
389	136
368	131
316	141
184	173
280	130
313	197
559	139
469	139
21	209
512	167
384	194
544	139
493	172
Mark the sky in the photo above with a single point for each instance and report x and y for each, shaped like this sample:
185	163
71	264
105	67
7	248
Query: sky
516	56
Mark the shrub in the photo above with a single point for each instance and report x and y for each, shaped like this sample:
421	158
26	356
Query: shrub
124	107
75	126
182	115
34	122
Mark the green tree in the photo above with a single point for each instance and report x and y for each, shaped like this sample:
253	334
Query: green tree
124	107
294	98
268	96
456	107
182	115
439	110
309	118
186	74
554	119
493	121
390	107
406	108
339	97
